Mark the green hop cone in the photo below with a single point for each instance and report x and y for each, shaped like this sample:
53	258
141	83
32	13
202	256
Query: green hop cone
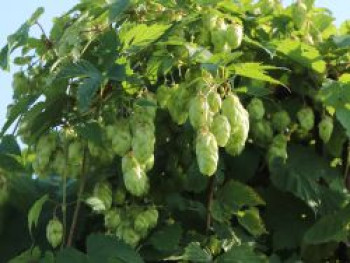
199	112
234	35
75	152
148	164
207	153
210	21
325	129
218	36
119	196
256	109
141	223
306	118
221	129
178	104
262	132
130	236
103	191
129	162
280	121
237	140
59	163
151	216
277	149
143	142
214	101
120	136
136	181
54	232
239	121
112	219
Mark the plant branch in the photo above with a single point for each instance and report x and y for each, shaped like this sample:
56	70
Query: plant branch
80	194
210	197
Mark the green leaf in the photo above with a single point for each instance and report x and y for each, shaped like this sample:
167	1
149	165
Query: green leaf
194	253
254	71
35	211
287	218
141	35
102	248
167	238
4	58
342	41
335	94
251	221
240	254
19	38
303	54
10	163
90	83
91	131
48	257
19	108
237	195
330	228
116	8
343	116
9	145
71	255
301	173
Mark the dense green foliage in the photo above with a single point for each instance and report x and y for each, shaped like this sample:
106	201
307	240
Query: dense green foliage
186	131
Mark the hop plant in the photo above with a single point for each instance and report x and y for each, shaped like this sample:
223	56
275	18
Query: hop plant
199	112
54	232
120	136
221	129
207	153
178	104
136	181
234	35
277	149
214	101
256	109
163	96
239	121
262	132
218	36
280	121
306	118
112	219
299	12
103	192
325	129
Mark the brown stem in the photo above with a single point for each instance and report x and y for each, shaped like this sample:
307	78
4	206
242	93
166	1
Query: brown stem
80	193
210	202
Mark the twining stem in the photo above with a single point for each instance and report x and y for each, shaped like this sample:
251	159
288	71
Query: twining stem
347	166
79	197
64	194
210	198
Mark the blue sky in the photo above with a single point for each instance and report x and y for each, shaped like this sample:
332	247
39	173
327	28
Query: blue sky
14	13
